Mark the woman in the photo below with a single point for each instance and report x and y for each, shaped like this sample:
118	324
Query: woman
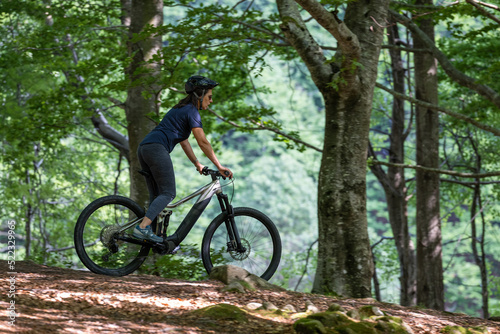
154	151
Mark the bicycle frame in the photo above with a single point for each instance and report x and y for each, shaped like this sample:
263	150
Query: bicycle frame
205	194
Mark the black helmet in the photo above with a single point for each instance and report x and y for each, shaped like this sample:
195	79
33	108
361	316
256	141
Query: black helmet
199	81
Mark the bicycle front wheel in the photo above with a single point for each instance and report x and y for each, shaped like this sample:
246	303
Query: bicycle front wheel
99	232
259	237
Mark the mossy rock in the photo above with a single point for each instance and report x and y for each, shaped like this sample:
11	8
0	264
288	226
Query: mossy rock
336	308
222	312
462	330
309	326
331	319
363	327
354	314
454	330
394	325
369	311
478	330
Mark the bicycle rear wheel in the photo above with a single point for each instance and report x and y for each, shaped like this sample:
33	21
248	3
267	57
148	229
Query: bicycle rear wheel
258	235
97	234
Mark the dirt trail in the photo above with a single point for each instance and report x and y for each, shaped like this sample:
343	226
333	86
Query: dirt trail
56	300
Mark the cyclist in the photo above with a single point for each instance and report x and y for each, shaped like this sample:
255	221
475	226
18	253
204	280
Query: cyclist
154	151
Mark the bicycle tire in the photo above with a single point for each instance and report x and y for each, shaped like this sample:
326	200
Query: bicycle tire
95	232
258	235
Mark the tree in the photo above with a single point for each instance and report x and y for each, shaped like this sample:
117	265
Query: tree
144	90
430	289
393	181
346	83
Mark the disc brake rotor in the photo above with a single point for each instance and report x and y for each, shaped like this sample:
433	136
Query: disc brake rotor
240	256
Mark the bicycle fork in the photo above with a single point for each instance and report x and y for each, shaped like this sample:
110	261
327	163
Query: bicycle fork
234	243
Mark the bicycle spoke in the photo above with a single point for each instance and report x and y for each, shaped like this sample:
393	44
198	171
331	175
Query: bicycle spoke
255	238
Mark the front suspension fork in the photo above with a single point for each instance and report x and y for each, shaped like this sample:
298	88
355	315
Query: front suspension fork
234	243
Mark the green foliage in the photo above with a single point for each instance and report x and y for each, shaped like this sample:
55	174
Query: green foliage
186	264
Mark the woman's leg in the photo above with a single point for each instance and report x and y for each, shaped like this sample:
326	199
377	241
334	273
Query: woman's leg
155	159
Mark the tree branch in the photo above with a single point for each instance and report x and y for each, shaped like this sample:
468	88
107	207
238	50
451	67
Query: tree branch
469	183
346	39
454	74
489	5
299	37
484	11
436	170
462	117
261	126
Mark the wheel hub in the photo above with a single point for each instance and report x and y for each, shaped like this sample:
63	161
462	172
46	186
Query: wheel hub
108	234
240	256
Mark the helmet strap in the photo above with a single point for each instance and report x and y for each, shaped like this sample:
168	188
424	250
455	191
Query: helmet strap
200	99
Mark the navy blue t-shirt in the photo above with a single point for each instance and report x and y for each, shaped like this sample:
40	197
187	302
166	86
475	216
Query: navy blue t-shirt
174	127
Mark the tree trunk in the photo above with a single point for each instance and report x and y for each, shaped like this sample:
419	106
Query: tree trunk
479	258
430	289
143	93
344	256
395	191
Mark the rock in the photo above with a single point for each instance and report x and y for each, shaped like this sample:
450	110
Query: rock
253	306
222	312
462	330
478	330
331	319
269	306
228	274
289	308
261	284
339	322
388	324
454	330
354	313
358	328
369	311
234	287
310	307
309	326
335	308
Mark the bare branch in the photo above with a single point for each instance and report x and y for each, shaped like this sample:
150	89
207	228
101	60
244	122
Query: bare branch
484	11
469	183
454	74
463	117
489	5
261	126
436	170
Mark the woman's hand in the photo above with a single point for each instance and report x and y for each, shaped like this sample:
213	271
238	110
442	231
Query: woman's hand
226	172
199	167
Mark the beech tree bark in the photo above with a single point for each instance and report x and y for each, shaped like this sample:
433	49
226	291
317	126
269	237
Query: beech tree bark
430	287
142	92
346	83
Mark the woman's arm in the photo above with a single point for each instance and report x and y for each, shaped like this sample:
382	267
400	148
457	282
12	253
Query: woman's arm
186	146
205	146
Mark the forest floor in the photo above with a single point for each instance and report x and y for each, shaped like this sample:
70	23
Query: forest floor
56	300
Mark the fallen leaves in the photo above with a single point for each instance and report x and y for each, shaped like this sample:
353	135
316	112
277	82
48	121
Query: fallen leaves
51	300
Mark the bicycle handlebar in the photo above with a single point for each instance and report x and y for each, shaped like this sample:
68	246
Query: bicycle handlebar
213	173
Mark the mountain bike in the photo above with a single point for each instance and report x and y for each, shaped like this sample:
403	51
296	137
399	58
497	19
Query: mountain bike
239	236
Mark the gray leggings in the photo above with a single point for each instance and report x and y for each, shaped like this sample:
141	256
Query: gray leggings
155	159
